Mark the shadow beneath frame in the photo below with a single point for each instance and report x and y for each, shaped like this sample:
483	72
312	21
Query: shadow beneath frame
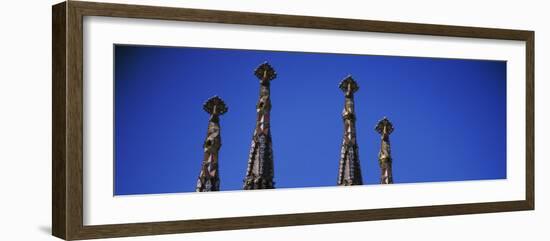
45	229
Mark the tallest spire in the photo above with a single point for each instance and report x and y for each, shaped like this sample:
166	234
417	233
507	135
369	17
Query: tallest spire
349	172
259	174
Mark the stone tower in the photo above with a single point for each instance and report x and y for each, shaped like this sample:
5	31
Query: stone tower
259	173
209	178
385	128
349	172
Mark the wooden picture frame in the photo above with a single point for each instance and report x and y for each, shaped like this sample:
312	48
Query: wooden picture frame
67	150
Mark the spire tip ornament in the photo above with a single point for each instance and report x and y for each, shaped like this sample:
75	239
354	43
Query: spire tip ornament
384	123
265	72
215	106
348	85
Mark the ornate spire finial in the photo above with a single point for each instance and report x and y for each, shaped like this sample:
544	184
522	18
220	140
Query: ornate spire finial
265	72
349	172
348	85
385	128
215	106
209	179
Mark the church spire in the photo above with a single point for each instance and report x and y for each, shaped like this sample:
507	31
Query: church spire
385	128
259	173
209	179
349	172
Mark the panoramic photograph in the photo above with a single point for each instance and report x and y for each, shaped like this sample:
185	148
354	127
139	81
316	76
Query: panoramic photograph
191	119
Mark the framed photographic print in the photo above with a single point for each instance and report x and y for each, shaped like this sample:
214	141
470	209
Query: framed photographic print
171	120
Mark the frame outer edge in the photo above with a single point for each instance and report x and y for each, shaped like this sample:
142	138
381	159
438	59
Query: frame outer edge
74	119
67	179
293	21
530	120
59	174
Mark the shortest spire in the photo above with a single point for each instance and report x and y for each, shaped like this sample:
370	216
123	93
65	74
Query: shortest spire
215	106
384	124
348	85
385	128
265	72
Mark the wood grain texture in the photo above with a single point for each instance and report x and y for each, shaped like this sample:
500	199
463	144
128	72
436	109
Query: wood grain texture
58	121
154	228
74	121
67	154
530	120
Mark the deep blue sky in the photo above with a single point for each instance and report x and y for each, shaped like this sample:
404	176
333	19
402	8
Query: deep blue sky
449	116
